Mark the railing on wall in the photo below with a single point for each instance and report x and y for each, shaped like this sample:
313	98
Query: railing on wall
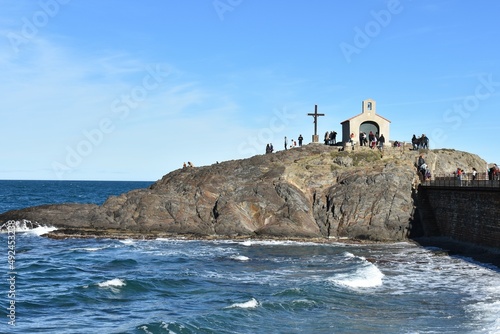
451	180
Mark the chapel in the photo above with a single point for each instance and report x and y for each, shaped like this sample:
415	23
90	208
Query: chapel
367	121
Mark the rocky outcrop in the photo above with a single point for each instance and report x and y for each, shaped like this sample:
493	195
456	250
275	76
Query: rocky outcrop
315	191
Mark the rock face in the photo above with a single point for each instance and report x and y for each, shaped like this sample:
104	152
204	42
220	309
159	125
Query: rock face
314	191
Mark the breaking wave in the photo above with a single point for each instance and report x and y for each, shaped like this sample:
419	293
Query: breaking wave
112	283
26	226
252	303
366	275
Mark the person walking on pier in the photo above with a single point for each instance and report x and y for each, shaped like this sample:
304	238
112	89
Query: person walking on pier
460	173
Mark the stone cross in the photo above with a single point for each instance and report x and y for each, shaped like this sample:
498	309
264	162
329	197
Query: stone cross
315	115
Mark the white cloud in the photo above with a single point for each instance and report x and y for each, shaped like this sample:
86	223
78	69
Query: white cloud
60	98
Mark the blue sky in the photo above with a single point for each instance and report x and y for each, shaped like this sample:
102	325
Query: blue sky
129	90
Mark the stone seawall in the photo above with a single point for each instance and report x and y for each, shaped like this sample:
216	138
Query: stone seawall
464	214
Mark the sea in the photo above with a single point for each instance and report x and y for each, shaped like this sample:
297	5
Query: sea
227	286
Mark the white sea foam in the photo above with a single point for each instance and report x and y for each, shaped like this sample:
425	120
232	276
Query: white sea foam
93	249
242	258
349	255
366	276
128	241
145	329
179	238
26	226
88	249
274	243
487	312
41	230
252	303
112	283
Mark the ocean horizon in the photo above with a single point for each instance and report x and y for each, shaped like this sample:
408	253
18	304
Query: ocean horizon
171	285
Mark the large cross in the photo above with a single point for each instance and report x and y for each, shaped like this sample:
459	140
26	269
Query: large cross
315	115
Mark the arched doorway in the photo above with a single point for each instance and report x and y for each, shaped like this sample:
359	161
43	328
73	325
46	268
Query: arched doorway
368	126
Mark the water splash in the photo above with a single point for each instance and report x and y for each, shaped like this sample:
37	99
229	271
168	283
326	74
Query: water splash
366	275
252	303
112	283
26	226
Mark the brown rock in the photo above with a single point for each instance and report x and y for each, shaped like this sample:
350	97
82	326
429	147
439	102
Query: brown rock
309	192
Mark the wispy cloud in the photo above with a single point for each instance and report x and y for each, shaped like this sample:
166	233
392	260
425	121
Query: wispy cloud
64	95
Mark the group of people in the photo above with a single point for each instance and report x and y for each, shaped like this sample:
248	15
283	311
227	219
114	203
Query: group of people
460	174
423	169
293	143
189	164
330	138
494	173
269	148
372	140
420	142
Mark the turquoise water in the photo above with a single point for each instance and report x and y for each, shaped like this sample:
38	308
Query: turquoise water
182	286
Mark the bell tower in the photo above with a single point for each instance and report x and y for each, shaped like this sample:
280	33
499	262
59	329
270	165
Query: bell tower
369	107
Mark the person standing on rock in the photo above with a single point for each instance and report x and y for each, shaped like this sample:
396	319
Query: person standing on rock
422	166
421	160
364	139
381	141
286	143
414	142
300	140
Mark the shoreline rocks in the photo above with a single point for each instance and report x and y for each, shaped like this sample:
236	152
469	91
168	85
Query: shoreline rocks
310	192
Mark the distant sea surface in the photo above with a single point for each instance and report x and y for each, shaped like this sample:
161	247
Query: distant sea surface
245	286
